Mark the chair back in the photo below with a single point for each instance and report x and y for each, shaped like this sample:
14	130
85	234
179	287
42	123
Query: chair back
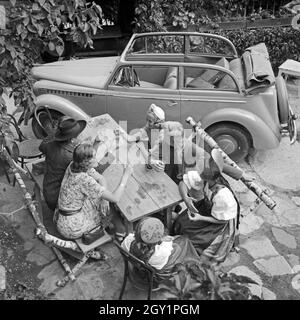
134	261
141	266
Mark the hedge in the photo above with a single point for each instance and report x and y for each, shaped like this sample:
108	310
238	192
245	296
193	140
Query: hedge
282	42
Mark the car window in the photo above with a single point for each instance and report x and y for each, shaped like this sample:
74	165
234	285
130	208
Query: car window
124	77
147	76
199	44
207	79
173	44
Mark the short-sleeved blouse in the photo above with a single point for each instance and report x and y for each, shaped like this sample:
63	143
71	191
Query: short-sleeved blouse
76	187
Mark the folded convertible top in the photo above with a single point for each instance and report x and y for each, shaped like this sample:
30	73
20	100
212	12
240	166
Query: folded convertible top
258	68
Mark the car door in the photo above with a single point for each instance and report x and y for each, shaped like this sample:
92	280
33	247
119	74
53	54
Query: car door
134	88
204	90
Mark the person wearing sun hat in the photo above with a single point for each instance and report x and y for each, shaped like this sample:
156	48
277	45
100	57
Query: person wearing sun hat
150	244
58	155
210	223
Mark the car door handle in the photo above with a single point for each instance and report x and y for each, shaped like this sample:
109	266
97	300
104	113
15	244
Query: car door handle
172	103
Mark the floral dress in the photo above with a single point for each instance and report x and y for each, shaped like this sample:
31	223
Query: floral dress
80	204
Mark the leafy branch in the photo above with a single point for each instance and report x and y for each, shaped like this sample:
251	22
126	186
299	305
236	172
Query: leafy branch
35	26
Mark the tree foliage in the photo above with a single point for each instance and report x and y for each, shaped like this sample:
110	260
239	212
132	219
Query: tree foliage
186	13
282	42
194	281
35	26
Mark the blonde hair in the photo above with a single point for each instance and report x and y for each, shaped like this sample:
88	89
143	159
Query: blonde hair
82	156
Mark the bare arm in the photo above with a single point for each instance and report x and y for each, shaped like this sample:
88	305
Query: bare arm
102	181
98	177
183	190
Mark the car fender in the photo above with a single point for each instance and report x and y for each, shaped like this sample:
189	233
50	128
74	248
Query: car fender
62	105
263	137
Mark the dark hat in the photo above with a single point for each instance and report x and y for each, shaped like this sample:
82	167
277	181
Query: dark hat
69	128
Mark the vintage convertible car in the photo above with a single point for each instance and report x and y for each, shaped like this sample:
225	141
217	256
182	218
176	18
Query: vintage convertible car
238	100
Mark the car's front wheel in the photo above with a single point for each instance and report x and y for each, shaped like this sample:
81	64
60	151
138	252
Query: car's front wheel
44	122
232	139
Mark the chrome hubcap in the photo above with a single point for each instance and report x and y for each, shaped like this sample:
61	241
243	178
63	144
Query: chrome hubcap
227	143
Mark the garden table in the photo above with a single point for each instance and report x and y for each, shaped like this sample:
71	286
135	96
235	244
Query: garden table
147	191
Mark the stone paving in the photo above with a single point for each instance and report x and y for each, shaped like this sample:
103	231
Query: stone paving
269	240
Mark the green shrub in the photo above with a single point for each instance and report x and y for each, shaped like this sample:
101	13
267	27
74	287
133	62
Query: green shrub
282	42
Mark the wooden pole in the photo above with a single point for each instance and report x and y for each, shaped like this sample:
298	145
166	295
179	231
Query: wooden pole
269	202
64	281
27	197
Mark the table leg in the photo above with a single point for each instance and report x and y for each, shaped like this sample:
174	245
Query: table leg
128	226
38	198
168	217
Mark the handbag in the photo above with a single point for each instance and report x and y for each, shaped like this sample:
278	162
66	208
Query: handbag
92	235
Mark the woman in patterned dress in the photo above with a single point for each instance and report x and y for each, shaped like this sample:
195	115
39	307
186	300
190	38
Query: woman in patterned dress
83	202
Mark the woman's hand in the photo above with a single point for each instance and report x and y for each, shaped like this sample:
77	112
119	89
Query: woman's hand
194	216
190	205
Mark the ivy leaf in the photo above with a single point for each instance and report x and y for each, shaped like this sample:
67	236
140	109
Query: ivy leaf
19	29
47	7
94	27
35	7
31	28
40	29
41	2
59	49
58	21
24	34
26	21
13	2
51	46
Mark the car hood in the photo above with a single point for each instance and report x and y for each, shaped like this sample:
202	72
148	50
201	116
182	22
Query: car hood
92	72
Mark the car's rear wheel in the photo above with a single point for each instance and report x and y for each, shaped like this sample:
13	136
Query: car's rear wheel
232	139
45	123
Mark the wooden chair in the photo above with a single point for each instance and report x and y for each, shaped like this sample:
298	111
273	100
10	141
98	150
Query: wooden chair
141	274
27	148
50	236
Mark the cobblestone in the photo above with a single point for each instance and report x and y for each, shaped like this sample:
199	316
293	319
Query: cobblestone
250	223
284	238
259	247
274	266
268	294
245	271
